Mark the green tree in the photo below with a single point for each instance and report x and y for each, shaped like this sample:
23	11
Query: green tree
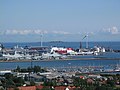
23	70
18	69
2	89
101	87
10	83
38	89
54	83
16	88
90	88
26	78
37	69
8	75
29	69
111	82
32	83
79	82
18	81
47	88
117	88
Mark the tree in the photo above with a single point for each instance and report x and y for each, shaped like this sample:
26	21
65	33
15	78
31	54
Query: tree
8	75
79	82
26	78
23	70
2	89
37	69
18	81
90	88
16	88
38	89
18	69
10	83
32	83
29	69
111	82
101	88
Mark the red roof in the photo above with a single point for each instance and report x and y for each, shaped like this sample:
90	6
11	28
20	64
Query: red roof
39	87
27	88
60	87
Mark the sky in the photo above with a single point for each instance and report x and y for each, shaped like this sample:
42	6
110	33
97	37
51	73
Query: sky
59	20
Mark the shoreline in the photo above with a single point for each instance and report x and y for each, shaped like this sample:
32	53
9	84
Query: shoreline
69	59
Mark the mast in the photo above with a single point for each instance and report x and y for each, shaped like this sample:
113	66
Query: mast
86	41
80	45
41	43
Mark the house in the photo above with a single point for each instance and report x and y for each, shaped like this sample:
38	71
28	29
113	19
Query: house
24	88
60	87
39	87
27	88
90	81
66	88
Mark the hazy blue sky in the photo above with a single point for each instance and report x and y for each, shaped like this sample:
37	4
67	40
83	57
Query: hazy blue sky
65	20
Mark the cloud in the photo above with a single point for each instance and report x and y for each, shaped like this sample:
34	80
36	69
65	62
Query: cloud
28	32
23	32
18	32
11	32
40	31
61	32
113	30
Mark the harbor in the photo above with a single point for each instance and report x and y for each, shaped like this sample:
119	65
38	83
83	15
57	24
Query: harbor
21	53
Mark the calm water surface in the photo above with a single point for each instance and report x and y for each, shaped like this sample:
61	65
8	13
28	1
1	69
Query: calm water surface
67	63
